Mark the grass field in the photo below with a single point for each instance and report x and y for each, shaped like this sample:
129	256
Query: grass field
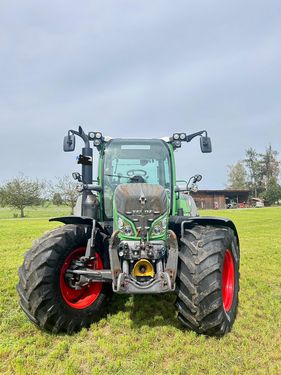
35	212
141	334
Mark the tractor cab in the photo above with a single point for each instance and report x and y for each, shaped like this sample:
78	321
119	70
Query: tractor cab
134	161
127	162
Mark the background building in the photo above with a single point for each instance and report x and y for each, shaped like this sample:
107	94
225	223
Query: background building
220	199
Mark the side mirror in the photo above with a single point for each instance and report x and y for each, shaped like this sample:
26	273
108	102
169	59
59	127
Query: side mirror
205	144
69	143
197	178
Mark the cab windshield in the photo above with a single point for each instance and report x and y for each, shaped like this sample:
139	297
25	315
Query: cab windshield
131	161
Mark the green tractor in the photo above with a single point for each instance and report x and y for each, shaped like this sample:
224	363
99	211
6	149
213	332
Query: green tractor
135	230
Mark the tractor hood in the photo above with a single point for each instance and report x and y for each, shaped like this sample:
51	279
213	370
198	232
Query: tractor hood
141	203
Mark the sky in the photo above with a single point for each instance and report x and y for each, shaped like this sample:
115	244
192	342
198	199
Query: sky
134	68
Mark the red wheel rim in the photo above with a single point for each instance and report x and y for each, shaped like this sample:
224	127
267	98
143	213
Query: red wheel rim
80	299
228	280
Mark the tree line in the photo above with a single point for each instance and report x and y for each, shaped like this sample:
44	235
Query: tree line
20	192
259	173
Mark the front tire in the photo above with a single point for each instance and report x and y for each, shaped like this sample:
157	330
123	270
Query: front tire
208	279
46	297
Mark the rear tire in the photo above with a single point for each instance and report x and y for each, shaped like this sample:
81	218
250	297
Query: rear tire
45	296
208	279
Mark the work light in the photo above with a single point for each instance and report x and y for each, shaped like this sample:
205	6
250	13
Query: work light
95	135
182	136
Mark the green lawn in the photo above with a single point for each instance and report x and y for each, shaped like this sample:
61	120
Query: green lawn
141	334
35	212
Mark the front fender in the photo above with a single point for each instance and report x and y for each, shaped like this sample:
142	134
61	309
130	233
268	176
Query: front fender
179	223
78	220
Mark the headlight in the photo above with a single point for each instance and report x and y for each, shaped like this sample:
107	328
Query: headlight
125	227
159	227
128	230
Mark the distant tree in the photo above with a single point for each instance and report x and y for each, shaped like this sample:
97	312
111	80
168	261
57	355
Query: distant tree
257	172
2	202
237	176
21	192
48	192
57	199
254	167
66	187
270	167
273	192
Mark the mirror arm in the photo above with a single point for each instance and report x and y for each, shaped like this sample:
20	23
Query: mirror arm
191	136
81	134
189	181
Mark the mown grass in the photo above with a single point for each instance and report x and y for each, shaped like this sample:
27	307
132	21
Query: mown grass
35	212
141	333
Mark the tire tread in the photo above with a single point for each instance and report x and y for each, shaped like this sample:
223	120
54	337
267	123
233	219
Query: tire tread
199	300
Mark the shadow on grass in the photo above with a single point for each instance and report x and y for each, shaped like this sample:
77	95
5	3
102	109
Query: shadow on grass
147	310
